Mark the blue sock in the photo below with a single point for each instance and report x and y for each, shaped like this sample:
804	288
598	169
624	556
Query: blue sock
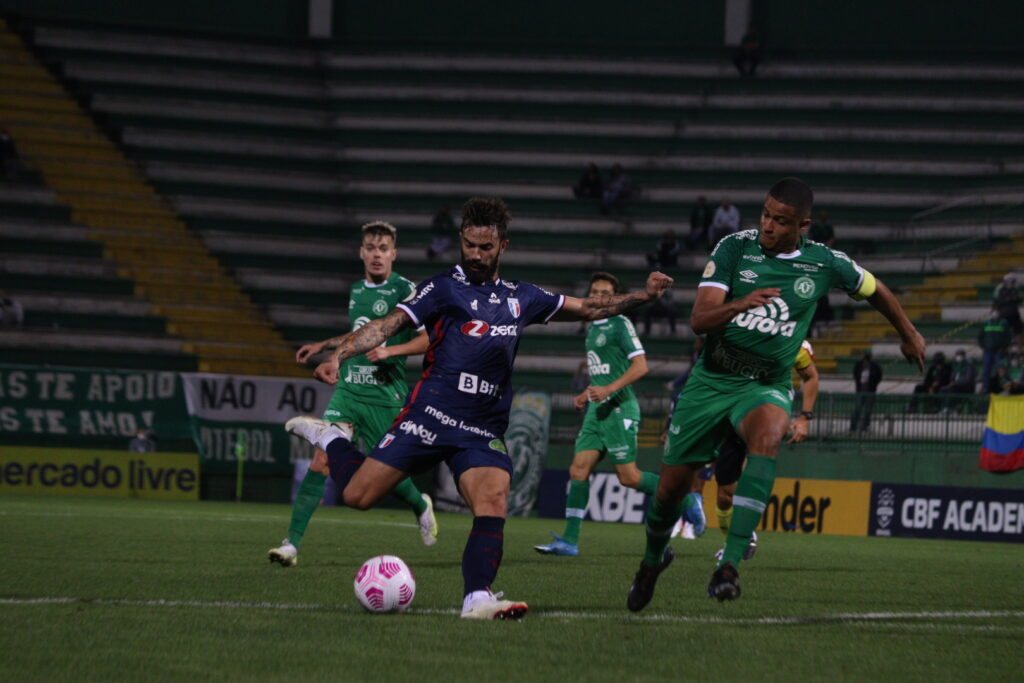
343	459
482	557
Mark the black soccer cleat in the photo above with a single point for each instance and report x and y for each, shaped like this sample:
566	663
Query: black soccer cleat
642	589
725	583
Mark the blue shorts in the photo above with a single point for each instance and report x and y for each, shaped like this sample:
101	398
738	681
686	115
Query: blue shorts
419	440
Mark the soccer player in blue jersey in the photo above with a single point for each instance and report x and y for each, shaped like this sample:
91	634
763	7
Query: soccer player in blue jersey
458	412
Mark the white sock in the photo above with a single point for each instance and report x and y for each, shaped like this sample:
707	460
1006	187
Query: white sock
341	430
476	596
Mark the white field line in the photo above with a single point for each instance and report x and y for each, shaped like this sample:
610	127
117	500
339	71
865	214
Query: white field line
206	517
920	620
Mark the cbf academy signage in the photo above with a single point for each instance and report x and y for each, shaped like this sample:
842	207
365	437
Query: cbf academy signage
947	512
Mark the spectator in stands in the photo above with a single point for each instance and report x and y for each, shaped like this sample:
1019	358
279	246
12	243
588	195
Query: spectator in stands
11	312
1006	300
700	222
939	375
441	230
590	186
750	52
144	442
964	376
10	162
617	190
867	375
994	340
665	254
822	231
662	308
1009	377
725	222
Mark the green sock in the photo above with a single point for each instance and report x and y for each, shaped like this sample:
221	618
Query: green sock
307	498
407	491
575	508
658	522
752	493
648	483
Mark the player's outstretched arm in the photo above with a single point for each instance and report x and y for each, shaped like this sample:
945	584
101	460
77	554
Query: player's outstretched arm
712	312
373	333
911	342
637	369
412	347
607	305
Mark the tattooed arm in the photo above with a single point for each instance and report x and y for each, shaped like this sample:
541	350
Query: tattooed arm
607	305
367	337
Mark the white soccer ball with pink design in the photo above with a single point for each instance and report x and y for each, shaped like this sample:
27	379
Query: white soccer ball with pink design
385	584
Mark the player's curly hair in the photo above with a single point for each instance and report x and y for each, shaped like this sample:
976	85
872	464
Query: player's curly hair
607	277
381	229
482	212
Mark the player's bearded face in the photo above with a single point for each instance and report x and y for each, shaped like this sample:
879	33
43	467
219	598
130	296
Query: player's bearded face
781	226
481	252
378	254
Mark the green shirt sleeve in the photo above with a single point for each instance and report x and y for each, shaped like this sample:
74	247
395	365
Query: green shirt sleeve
846	274
628	340
722	263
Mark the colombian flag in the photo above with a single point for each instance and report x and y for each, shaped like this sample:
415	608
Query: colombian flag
1002	446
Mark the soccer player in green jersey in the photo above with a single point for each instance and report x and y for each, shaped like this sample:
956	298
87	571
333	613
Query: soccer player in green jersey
615	360
371	390
755	303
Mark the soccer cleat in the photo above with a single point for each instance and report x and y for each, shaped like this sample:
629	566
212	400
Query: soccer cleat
693	511
748	553
428	523
316	431
725	583
642	589
492	607
286	555
678	527
688	533
558	547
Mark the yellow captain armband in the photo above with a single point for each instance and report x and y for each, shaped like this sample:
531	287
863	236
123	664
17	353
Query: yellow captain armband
868	284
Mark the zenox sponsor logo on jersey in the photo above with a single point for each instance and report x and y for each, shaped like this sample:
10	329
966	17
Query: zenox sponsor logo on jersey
772	318
480	328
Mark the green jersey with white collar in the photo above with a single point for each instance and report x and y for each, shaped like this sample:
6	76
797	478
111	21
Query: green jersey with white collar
761	344
382	383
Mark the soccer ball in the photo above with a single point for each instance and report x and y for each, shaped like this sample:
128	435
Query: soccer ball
385	584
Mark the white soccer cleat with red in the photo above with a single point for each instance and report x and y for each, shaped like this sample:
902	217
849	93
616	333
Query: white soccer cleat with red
487	605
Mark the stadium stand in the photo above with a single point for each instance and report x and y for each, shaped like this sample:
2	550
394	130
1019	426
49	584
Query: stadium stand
259	160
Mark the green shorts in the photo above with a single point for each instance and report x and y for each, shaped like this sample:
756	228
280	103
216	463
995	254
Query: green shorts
611	430
703	414
369	422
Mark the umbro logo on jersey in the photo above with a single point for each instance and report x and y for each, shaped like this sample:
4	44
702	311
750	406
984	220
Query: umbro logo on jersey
748	276
494	299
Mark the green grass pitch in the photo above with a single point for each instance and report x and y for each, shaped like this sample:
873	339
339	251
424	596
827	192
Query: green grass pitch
130	590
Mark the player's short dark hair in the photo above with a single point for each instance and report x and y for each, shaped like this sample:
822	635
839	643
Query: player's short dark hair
608	277
483	212
381	229
794	192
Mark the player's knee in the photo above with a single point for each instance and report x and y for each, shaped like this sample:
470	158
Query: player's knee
724	499
490	502
357	499
629	478
578	472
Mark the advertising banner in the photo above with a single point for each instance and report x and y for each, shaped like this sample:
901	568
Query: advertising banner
112	474
222	406
56	401
947	512
810	506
